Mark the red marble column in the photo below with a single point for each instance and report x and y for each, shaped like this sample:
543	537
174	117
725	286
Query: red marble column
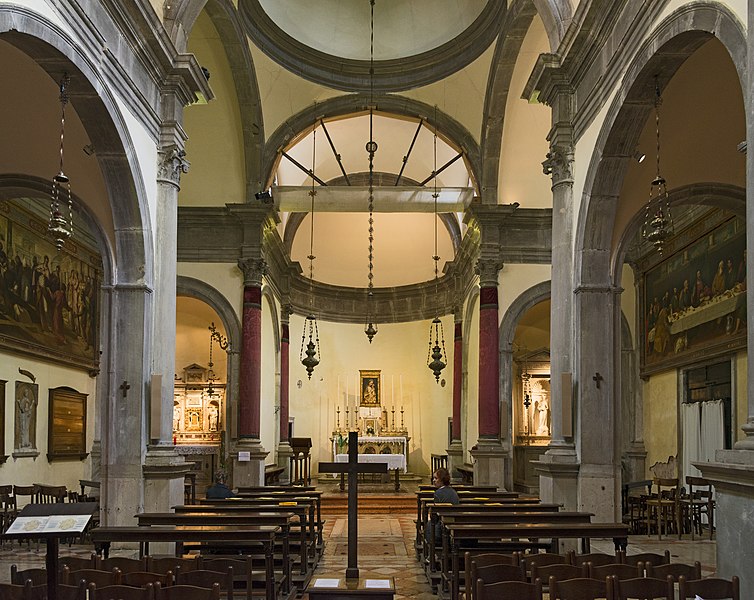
284	383
457	380
250	379
489	365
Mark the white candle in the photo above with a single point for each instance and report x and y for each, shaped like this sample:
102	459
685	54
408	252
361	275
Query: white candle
338	394
401	382
392	389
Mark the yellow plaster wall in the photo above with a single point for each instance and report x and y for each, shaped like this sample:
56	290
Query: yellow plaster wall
399	351
25	471
215	145
661	417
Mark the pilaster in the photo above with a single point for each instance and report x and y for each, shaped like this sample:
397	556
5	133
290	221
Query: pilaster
489	462
248	463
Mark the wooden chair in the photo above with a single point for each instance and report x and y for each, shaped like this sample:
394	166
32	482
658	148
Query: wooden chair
205	578
8	510
12	591
646	557
243	572
163	564
508	590
559	571
492	574
675	570
619	571
643	588
581	589
542	559
709	589
663	507
696	504
186	592
50	494
37	576
74	563
596	558
121	592
65	592
24	491
142	578
122	563
95	576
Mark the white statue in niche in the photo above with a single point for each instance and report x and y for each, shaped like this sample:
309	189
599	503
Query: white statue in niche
212	415
176	417
542	410
26	404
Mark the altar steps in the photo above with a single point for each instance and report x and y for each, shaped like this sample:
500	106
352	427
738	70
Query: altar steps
370	504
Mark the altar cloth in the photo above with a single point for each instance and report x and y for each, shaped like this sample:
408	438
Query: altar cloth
393	461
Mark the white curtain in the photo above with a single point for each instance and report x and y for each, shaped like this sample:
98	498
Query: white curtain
713	432
692	439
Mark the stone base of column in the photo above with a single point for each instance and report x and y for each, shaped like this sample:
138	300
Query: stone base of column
248	473
558	482
489	463
95	464
455	459
733	478
599	492
634	463
284	460
164	479
121	494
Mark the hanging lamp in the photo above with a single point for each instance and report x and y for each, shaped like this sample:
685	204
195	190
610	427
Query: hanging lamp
436	351
370	329
60	227
658	222
312	351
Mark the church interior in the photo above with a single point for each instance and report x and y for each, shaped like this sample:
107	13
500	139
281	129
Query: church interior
504	237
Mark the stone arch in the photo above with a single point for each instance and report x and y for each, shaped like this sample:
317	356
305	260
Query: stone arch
507	331
448	128
556	16
196	288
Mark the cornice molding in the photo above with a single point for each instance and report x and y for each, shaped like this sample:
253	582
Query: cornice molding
525	237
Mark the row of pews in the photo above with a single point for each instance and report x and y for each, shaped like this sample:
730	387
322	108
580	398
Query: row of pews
280	528
497	521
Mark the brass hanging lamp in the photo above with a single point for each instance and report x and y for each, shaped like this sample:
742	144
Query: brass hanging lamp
60	227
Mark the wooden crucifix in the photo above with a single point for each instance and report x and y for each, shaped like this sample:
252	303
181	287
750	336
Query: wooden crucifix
353	468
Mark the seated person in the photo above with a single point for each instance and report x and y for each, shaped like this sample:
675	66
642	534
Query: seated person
443	494
219	489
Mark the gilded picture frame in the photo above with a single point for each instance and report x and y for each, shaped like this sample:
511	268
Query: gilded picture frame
370	388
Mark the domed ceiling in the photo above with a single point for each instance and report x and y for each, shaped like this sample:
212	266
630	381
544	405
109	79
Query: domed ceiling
416	42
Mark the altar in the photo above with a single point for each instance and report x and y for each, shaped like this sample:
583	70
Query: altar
394	462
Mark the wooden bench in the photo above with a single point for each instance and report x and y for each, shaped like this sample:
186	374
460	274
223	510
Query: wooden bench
467	473
262	535
494	532
272	474
280	519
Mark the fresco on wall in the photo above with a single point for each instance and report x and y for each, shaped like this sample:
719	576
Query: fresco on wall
49	300
694	299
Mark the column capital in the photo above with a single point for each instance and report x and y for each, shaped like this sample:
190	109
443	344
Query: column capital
171	163
286	310
253	270
487	269
559	164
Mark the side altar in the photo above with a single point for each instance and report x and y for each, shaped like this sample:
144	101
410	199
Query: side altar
378	431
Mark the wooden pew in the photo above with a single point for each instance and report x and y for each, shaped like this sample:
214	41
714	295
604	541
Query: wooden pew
494	532
263	535
280	519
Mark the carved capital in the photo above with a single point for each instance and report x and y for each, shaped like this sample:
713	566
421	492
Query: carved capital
171	162
487	269
559	164
253	270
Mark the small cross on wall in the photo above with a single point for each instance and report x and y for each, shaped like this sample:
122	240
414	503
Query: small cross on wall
124	388
597	378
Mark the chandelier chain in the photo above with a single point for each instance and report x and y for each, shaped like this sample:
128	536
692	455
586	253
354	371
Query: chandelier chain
370	329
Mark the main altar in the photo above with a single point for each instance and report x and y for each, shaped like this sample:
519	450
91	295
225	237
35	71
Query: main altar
380	431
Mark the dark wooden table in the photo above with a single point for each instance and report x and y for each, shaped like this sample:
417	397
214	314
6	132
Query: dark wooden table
243	534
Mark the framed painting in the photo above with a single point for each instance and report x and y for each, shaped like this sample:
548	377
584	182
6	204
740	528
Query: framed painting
370	388
66	429
693	300
49	300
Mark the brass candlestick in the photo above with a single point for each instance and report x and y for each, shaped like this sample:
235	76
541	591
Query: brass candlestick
338	419
348	421
402	426
393	411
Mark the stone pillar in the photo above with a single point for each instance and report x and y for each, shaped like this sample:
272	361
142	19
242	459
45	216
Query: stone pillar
284	446
489	455
557	467
455	451
733	473
250	472
164	469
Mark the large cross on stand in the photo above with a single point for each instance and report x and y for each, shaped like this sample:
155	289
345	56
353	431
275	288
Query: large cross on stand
353	467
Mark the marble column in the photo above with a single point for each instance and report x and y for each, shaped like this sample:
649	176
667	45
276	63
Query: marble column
284	446
488	453
455	451
557	467
250	472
